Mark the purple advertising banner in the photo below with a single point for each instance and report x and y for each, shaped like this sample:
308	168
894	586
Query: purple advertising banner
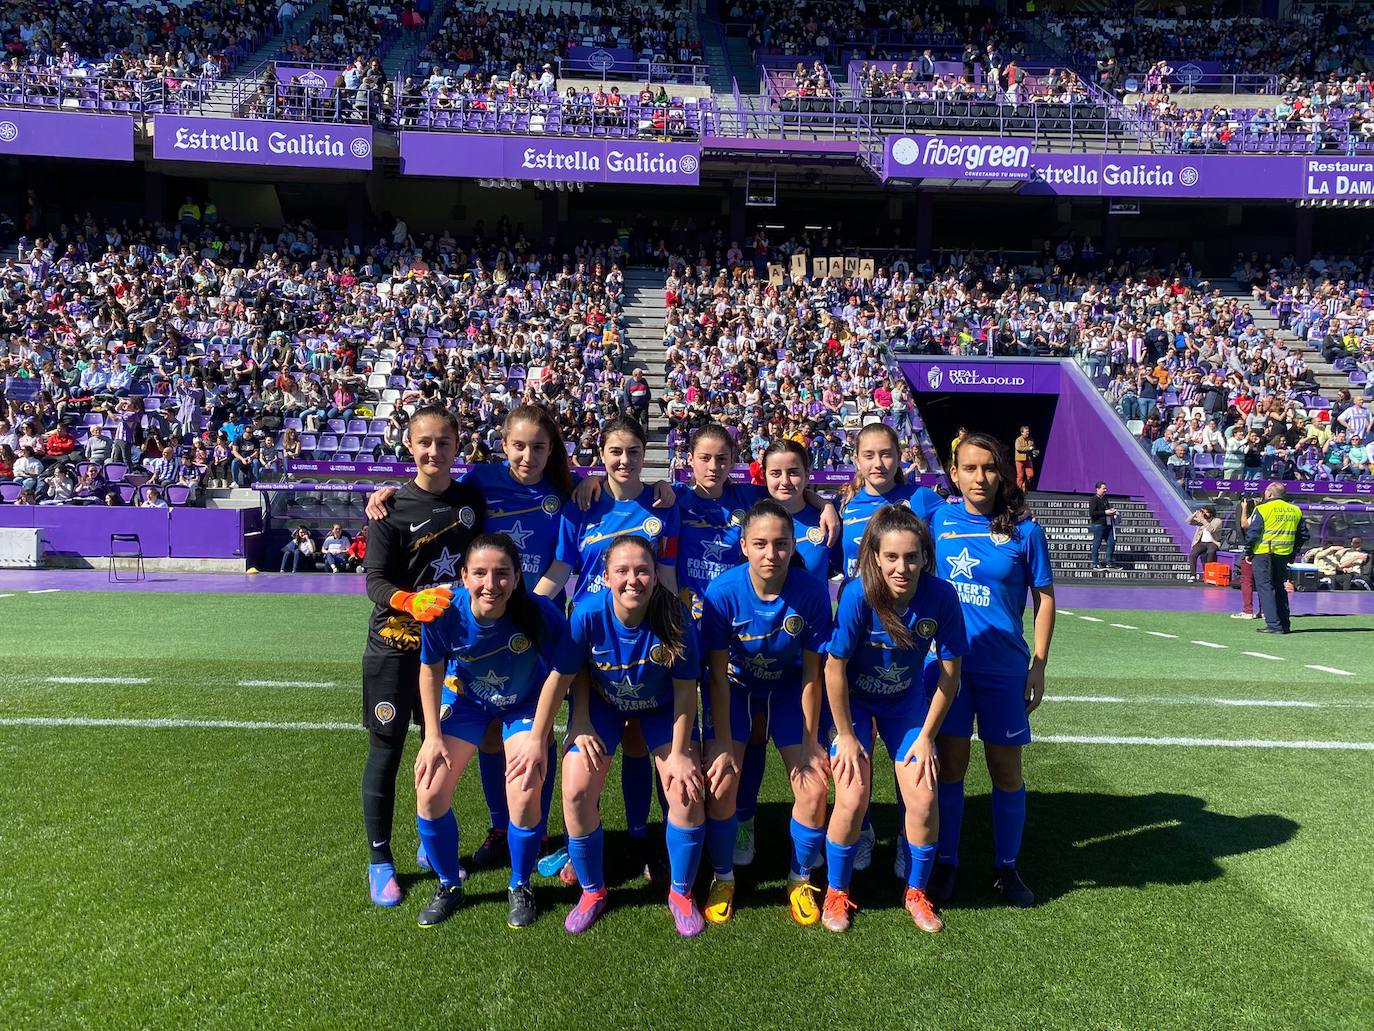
601	60
163	532
985	375
247	141
550	158
387	468
1182	176
67	134
1318	488
311	78
820	478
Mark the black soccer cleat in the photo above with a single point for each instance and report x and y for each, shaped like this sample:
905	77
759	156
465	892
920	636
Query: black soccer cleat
492	852
447	900
1014	892
521	911
943	879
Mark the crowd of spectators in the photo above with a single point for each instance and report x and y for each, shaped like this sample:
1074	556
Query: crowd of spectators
351	30
1008	84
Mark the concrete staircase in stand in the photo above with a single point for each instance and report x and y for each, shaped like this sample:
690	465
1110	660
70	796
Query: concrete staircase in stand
642	307
1329	381
1144	548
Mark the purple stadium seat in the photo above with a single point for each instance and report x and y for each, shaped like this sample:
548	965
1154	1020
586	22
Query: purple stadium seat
115	471
357	426
126	492
9	492
178	495
337	426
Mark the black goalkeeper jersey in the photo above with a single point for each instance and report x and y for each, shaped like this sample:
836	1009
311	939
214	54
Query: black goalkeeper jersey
419	544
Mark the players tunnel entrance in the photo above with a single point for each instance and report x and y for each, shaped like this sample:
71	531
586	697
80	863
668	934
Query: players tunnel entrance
998	415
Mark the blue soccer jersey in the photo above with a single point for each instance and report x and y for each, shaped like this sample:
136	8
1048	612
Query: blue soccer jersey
859	509
991	573
877	668
765	639
708	542
631	669
531	516
608	519
494	664
816	557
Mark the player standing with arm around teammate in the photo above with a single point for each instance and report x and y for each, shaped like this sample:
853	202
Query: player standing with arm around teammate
486	658
992	552
412	556
763	628
886	623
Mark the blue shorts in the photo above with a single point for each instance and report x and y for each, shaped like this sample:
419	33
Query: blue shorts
467	719
998	701
899	717
782	710
609	724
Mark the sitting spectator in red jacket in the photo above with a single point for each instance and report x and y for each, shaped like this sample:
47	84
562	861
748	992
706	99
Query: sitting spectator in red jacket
61	443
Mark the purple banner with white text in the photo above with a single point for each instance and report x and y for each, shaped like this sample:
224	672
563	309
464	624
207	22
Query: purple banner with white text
954	375
247	141
550	158
1295	488
601	60
1180	176
67	134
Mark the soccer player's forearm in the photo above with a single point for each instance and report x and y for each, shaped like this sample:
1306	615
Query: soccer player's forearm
555	578
684	714
811	695
837	689
431	693
944	697
1043	601
720	697
550	698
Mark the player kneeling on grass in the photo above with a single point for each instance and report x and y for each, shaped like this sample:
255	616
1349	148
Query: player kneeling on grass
637	644
763	628
886	622
487	657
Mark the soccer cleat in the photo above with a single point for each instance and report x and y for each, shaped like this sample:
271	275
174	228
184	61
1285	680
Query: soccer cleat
943	878
382	884
584	914
1245	615
686	915
568	875
493	851
900	860
744	843
447	898
520	911
1014	892
835	910
801	895
552	863
421	859
863	853
720	901
923	914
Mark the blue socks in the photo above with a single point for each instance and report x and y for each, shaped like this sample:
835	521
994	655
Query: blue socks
951	801
684	854
751	781
1008	821
492	769
523	843
839	864
586	852
720	847
921	859
807	843
440	838
636	776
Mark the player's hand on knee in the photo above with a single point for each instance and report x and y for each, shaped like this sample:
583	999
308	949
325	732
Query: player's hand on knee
926	759
721	768
682	778
848	760
591	748
433	759
525	763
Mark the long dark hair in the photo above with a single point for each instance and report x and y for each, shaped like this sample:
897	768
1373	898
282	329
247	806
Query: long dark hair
434	411
556	470
1009	507
624	424
857	484
667	617
890	519
787	446
521	608
713	431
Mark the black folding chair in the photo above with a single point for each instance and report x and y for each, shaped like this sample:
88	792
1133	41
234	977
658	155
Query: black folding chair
126	546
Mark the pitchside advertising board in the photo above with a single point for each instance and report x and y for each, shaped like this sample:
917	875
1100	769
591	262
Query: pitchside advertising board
1179	176
463	155
981	376
250	141
67	134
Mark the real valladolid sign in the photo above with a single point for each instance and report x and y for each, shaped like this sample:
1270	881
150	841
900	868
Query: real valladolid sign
67	134
247	141
550	158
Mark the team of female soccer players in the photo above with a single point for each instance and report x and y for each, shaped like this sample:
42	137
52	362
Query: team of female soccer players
711	600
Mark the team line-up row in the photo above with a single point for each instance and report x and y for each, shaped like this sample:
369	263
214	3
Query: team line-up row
713	596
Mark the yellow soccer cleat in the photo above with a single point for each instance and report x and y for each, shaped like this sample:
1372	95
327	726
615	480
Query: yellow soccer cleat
720	902
802	897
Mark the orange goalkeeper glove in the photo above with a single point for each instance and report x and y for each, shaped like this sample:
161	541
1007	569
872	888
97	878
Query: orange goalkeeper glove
426	605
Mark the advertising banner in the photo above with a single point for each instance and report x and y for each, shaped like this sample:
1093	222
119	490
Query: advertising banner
1296	488
602	60
250	141
987	376
66	134
464	155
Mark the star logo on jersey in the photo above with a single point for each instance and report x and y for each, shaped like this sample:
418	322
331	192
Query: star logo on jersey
518	643
927	627
491	682
793	625
893	676
653	526
550	504
714	551
962	564
760	665
814	535
518	534
445	567
624	689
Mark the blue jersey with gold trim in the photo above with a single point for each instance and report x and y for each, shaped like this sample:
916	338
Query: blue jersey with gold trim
532	516
608	519
859	509
708	541
877	668
765	639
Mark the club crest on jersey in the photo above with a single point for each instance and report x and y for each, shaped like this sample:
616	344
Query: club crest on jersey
737	517
519	643
653	525
793	625
385	712
659	656
814	535
550	504
999	538
927	627
467	516
445	711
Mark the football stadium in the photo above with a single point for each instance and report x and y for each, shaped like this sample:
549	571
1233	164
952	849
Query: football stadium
534	514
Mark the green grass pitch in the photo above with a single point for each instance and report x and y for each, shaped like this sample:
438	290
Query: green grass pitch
200	876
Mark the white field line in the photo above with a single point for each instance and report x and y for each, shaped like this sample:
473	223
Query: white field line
163	724
6	595
1208	742
1066	612
46	590
287	683
1124	626
1209	644
1330	669
1160	633
98	680
1235	703
1262	655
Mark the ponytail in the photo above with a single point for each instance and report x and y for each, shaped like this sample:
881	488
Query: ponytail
666	616
522	609
890	519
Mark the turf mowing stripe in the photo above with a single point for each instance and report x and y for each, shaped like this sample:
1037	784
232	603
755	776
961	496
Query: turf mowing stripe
6	595
287	683
1090	619
1329	669
1261	655
1124	626
1257	703
1159	633
98	680
1208	742
1209	644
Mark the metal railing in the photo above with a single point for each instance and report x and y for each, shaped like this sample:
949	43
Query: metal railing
1184	81
643	70
151	94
